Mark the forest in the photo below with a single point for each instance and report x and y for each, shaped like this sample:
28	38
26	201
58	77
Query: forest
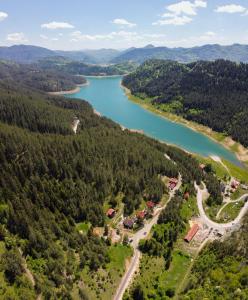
33	77
65	65
52	179
211	93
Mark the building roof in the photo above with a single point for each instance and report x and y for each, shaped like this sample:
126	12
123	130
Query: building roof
173	180
141	214
150	204
128	223
192	233
202	166
110	212
186	195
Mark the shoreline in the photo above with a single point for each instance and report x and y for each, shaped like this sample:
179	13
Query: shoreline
226	141
70	92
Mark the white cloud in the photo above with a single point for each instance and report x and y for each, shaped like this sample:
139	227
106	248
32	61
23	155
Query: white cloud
186	7
57	25
181	13
17	37
78	36
230	9
44	37
175	20
3	16
123	22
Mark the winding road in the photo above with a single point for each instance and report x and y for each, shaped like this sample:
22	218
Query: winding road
141	234
221	227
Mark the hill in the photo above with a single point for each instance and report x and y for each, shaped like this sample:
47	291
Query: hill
30	54
211	93
33	77
53	179
236	52
24	53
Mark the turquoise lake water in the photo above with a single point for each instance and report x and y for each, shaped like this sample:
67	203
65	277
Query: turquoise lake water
107	97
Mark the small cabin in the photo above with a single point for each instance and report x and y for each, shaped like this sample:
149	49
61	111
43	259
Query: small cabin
128	223
141	215
150	204
111	213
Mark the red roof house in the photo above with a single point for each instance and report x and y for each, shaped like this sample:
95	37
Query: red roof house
141	215
111	213
150	204
194	229
186	196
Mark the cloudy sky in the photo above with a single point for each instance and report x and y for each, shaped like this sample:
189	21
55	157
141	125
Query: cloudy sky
81	24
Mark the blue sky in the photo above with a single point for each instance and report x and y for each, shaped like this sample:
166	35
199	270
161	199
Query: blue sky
83	24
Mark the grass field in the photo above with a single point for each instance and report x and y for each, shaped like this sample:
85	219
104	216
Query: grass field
231	211
103	284
83	227
238	193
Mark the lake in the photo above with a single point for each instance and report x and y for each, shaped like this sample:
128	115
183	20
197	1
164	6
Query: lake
107	97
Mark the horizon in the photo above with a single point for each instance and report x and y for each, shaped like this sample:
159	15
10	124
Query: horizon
116	25
122	49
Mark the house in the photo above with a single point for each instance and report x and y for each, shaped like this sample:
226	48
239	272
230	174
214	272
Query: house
141	215
150	204
202	166
235	184
194	229
186	196
128	223
111	213
173	183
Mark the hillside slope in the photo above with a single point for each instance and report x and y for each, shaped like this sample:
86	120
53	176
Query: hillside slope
236	52
52	179
211	93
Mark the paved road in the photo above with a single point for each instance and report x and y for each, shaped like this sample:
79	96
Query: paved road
141	234
221	227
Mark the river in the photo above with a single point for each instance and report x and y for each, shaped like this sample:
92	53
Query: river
107	97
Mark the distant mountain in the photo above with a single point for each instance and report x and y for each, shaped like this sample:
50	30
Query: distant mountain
234	52
102	56
25	53
31	54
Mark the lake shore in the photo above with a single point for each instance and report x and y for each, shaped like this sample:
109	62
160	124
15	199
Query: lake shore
226	141
70	92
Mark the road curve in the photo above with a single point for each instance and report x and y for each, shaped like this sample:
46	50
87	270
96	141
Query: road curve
219	226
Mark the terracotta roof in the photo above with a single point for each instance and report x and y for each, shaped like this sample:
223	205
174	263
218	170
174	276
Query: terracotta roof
192	233
150	204
173	180
140	214
110	212
186	195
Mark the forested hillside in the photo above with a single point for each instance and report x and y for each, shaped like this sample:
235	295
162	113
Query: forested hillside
235	52
34	77
211	93
52	179
61	64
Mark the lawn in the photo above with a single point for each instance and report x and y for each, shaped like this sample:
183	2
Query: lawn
231	211
103	284
153	276
189	208
83	227
237	172
238	193
177	270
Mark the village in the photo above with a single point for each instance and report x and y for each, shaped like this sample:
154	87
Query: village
120	228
